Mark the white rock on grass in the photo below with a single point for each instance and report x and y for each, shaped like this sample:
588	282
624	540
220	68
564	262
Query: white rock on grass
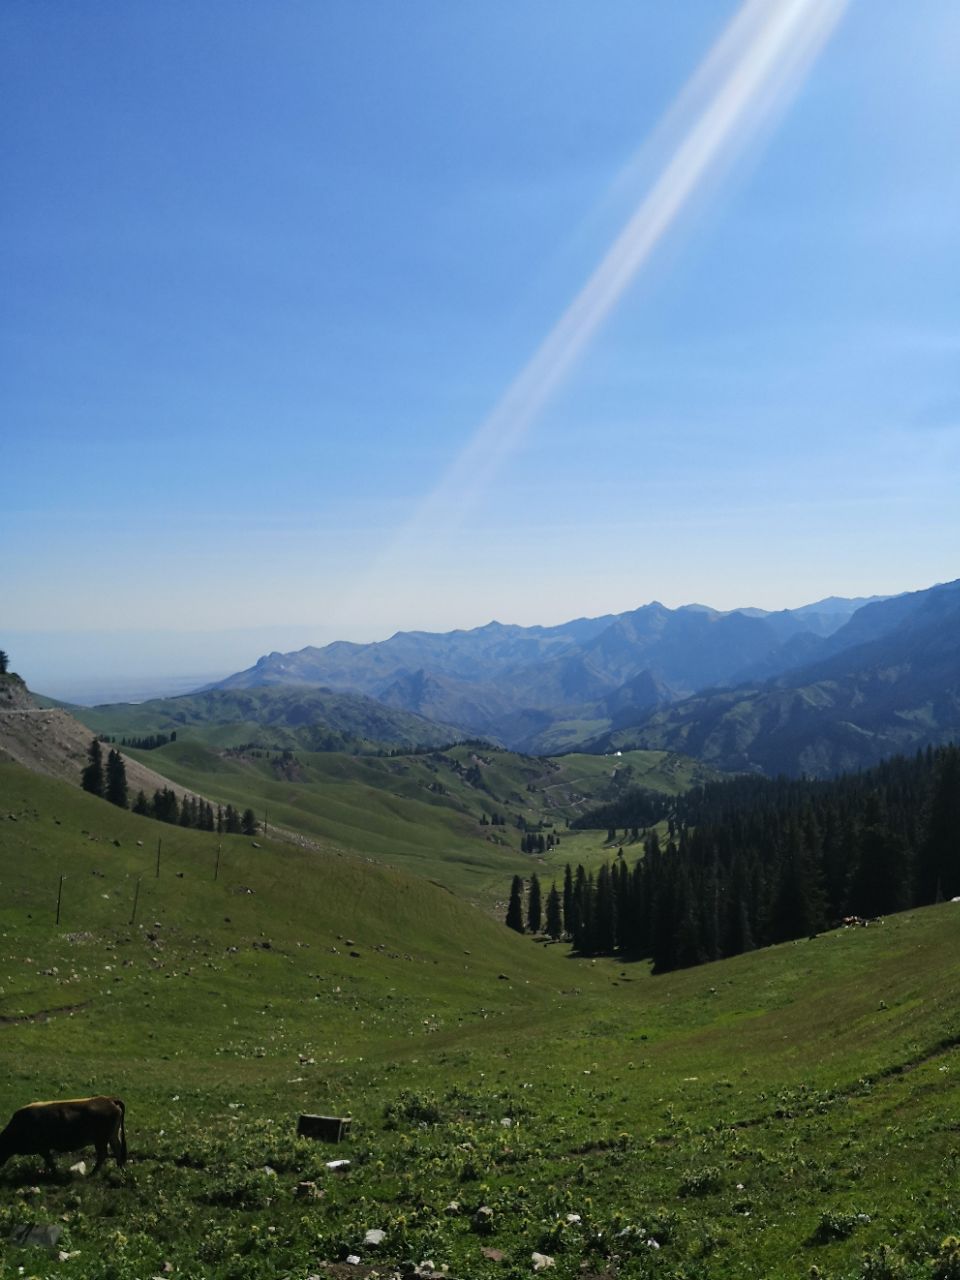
541	1261
374	1237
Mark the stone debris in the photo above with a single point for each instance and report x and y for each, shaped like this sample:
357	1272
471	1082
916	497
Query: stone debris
493	1255
307	1191
338	1165
541	1261
79	1168
483	1219
45	1235
374	1237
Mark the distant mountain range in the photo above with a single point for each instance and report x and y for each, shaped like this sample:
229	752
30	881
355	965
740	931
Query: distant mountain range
591	681
888	681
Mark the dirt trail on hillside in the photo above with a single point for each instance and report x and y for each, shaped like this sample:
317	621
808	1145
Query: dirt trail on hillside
53	742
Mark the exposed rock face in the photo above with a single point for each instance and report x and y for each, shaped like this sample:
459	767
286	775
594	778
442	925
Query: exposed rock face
50	741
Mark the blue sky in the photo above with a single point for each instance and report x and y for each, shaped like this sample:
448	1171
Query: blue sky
269	268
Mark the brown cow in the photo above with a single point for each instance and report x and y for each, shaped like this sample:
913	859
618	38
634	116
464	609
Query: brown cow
44	1127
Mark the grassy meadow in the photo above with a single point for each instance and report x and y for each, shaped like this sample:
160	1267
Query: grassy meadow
791	1109
423	812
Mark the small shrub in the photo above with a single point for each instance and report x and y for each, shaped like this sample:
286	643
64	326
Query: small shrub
700	1182
883	1263
835	1225
946	1264
413	1108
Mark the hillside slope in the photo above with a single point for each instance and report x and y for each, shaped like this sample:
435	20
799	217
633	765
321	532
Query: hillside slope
53	742
891	683
306	716
789	1109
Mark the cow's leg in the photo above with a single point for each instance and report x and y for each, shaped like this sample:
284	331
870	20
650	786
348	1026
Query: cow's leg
51	1166
101	1155
116	1149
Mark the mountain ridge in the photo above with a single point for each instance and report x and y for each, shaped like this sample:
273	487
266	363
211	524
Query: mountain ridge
515	684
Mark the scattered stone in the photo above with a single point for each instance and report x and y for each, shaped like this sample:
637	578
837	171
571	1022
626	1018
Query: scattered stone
452	1208
338	1165
541	1261
269	1171
323	1128
256	846
307	1191
45	1235
506	1123
374	1237
79	1168
353	1259
483	1219
493	1255
573	1219
502	977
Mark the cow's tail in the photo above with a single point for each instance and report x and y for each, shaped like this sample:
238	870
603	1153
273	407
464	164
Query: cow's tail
122	1158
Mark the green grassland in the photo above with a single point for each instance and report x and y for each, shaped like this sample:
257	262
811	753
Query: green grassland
791	1109
299	716
423	812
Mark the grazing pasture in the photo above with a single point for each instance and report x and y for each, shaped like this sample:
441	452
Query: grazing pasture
789	1109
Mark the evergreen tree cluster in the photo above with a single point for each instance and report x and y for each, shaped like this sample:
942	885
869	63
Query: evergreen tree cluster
756	861
537	842
150	742
495	820
107	781
196	813
530	911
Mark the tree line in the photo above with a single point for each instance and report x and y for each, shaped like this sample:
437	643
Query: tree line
109	781
756	861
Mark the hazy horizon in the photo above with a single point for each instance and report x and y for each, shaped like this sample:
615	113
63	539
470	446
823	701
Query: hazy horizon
96	666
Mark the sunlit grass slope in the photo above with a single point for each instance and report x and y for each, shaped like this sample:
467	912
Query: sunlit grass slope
424	812
787	1109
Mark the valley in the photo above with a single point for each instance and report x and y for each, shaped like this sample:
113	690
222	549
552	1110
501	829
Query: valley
792	1108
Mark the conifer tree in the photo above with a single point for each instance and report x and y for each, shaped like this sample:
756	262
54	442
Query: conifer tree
567	897
92	778
554	924
534	905
939	864
4	662
248	823
116	787
515	906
